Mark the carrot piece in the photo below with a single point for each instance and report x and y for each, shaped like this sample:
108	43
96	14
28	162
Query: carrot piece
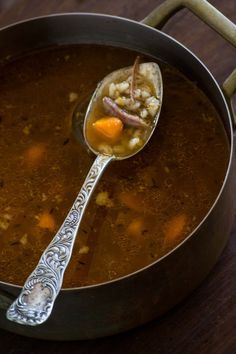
46	221
109	128
35	153
174	228
132	200
135	227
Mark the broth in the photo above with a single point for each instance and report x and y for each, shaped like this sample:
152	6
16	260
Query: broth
142	208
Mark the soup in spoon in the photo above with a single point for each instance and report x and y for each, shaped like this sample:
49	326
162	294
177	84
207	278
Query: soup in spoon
125	110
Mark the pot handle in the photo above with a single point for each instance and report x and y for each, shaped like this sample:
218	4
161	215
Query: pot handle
229	88
211	16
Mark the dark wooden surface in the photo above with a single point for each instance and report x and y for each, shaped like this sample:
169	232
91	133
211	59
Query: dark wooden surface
206	321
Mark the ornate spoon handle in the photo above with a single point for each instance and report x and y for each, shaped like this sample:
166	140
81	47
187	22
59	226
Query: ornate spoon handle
35	302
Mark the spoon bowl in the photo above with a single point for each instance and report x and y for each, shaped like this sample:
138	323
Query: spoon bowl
152	73
36	300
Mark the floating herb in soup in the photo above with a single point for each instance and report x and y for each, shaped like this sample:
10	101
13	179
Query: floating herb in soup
143	207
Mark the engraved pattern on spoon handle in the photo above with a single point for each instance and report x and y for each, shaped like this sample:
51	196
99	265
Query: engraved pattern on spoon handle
35	302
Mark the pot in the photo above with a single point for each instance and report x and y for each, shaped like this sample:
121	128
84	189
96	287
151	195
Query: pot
115	306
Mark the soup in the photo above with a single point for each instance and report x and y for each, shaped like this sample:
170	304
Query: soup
124	110
142	208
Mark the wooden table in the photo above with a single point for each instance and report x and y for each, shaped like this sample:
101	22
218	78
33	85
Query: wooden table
206	321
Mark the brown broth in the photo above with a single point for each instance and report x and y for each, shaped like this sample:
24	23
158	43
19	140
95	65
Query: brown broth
152	201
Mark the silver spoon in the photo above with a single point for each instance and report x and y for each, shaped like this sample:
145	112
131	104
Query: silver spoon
35	302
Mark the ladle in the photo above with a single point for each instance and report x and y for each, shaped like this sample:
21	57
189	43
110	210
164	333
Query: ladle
35	302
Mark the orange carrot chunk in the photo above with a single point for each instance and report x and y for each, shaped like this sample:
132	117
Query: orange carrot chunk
35	153
135	227
174	228
109	128
132	200
46	221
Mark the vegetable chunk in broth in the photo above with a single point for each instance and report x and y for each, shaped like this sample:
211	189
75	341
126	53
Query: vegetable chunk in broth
142	208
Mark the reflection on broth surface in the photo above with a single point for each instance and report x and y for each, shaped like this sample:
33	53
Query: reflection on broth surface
142	208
